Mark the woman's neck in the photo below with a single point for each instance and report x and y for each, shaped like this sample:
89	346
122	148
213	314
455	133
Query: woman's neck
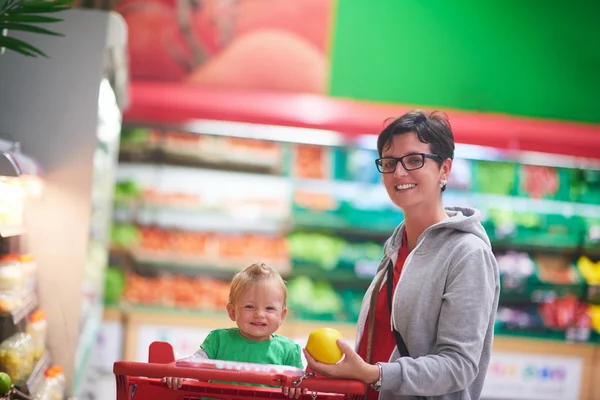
416	221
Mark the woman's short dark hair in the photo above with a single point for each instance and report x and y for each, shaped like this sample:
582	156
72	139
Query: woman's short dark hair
433	129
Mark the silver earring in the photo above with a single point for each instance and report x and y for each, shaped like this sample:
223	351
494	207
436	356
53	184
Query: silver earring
443	183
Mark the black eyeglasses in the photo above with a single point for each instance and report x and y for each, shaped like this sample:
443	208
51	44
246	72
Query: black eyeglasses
410	162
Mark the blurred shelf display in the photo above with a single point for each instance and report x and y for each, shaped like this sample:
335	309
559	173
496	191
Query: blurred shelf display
24	360
193	207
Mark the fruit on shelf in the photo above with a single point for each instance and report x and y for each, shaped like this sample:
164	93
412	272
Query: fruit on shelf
589	270
315	201
250	246
5	383
127	190
318	298
177	291
173	241
322	345
326	299
311	162
212	249
124	235
330	252
114	285
494	177
556	269
133	136
539	181
315	248
564	312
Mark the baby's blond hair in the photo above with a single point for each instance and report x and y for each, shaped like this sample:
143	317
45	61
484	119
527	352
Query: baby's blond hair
254	274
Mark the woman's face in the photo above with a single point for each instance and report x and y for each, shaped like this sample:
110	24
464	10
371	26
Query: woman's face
419	187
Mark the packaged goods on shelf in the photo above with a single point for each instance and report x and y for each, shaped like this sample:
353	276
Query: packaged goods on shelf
12	275
17	357
37	329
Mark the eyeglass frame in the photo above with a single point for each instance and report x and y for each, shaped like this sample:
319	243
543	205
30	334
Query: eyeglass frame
401	161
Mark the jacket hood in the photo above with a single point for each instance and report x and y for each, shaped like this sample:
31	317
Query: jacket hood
465	219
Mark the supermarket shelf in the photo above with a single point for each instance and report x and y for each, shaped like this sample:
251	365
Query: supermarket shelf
38	372
195	270
200	220
158	156
540	247
346	276
213	314
523	204
199	267
7	232
29	305
545	334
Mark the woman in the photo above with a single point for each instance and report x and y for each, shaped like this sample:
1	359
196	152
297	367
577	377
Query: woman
444	282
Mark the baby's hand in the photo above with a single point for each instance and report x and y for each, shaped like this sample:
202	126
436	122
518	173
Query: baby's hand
173	383
292	392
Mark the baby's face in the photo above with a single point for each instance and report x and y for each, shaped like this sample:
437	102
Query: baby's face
259	311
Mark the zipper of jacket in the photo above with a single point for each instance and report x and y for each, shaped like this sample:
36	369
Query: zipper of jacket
422	236
406	262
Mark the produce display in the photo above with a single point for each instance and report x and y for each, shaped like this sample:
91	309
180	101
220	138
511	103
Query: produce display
320	216
202	250
177	292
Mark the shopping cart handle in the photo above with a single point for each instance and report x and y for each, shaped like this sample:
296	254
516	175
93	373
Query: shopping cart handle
162	364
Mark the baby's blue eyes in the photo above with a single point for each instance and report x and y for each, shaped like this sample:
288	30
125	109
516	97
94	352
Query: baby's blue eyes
249	307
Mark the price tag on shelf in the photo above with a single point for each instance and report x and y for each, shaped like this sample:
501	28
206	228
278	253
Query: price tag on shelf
532	376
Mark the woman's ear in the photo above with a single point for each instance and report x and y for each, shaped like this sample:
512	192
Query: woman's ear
445	169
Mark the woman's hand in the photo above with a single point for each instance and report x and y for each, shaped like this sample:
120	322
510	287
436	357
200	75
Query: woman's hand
350	367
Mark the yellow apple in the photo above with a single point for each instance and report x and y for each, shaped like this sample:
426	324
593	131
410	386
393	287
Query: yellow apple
322	345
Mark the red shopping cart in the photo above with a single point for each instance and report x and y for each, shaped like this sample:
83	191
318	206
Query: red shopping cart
144	381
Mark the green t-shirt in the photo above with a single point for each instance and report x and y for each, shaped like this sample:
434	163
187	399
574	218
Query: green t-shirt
230	345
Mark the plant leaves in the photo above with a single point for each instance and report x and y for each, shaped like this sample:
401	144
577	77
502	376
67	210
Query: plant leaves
38	10
10	5
45	4
20	46
27	18
29	28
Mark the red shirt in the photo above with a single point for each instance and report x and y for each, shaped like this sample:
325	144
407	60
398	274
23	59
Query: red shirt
383	337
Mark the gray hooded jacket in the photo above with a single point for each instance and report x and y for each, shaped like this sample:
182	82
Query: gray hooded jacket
444	307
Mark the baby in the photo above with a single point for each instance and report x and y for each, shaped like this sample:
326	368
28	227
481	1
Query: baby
257	304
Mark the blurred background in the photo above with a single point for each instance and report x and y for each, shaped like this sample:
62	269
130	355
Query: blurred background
163	145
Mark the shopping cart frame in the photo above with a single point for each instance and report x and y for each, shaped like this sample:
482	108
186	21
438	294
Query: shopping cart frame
144	381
